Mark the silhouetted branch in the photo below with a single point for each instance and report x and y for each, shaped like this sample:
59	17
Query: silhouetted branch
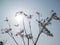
41	23
21	35
13	38
31	32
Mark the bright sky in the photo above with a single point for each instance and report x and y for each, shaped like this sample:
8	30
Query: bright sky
10	7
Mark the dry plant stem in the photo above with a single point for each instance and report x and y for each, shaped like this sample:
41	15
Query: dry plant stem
31	31
38	37
28	41
13	39
23	40
24	26
42	29
25	31
12	35
39	32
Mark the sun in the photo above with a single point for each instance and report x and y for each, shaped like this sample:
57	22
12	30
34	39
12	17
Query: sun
19	17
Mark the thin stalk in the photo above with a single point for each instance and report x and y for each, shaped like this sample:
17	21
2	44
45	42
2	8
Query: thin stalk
25	32
24	26
23	40
42	30
13	39
28	41
38	37
31	31
39	31
12	35
9	25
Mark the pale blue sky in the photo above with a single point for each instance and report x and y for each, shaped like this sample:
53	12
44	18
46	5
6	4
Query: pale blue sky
10	7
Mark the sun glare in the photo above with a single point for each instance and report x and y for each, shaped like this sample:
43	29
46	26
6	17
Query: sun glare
19	18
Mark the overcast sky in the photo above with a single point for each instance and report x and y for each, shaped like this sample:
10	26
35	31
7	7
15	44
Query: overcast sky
10	7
